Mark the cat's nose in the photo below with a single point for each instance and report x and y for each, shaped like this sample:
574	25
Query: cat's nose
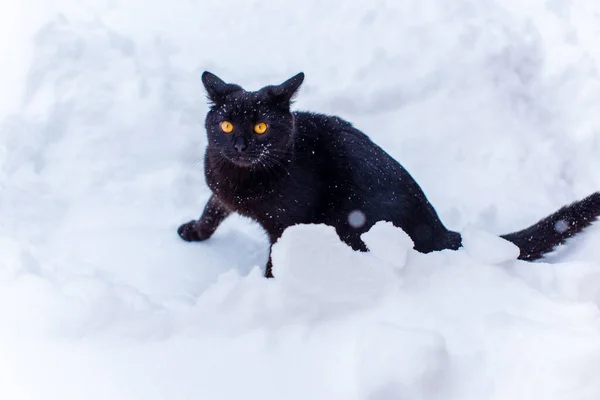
240	146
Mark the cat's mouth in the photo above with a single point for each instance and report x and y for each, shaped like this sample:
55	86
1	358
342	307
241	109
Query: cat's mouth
241	160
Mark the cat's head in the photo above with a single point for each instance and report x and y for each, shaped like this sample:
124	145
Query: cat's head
250	129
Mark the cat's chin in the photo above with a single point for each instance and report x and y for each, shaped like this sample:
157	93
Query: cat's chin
241	161
244	163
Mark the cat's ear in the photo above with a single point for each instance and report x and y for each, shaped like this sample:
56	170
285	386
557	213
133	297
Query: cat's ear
216	88
284	93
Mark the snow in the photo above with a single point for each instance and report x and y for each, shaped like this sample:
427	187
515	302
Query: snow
487	247
491	106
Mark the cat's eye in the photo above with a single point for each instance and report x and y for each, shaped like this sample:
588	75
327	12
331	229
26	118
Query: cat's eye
226	126
260	128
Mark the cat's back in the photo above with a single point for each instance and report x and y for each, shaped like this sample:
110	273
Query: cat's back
338	147
352	170
320	127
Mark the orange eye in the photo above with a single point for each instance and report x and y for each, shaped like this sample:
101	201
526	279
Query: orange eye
260	128
226	126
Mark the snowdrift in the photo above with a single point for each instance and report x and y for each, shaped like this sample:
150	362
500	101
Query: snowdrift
101	140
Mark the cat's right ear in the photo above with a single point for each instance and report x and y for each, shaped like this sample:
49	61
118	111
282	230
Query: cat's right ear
216	88
284	93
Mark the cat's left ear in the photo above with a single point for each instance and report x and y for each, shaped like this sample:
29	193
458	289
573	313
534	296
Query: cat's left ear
284	93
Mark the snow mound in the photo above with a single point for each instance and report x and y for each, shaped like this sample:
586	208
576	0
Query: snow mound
327	270
489	248
443	326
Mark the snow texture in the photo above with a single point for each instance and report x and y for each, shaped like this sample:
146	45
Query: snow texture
491	105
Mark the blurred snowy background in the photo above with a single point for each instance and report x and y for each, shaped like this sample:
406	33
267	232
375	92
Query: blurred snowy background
101	114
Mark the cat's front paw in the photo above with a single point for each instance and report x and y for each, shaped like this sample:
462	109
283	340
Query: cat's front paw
191	232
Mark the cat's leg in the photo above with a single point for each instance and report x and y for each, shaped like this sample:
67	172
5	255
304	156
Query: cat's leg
269	269
274	235
351	237
214	213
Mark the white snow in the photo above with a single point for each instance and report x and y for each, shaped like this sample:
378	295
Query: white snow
491	105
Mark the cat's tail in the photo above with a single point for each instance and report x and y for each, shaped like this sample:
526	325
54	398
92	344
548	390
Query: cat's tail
544	236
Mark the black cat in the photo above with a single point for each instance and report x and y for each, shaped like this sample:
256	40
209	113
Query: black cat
282	168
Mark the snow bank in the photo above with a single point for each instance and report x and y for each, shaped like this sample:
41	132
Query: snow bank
491	106
341	323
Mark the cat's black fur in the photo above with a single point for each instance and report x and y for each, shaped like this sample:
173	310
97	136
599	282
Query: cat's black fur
313	168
